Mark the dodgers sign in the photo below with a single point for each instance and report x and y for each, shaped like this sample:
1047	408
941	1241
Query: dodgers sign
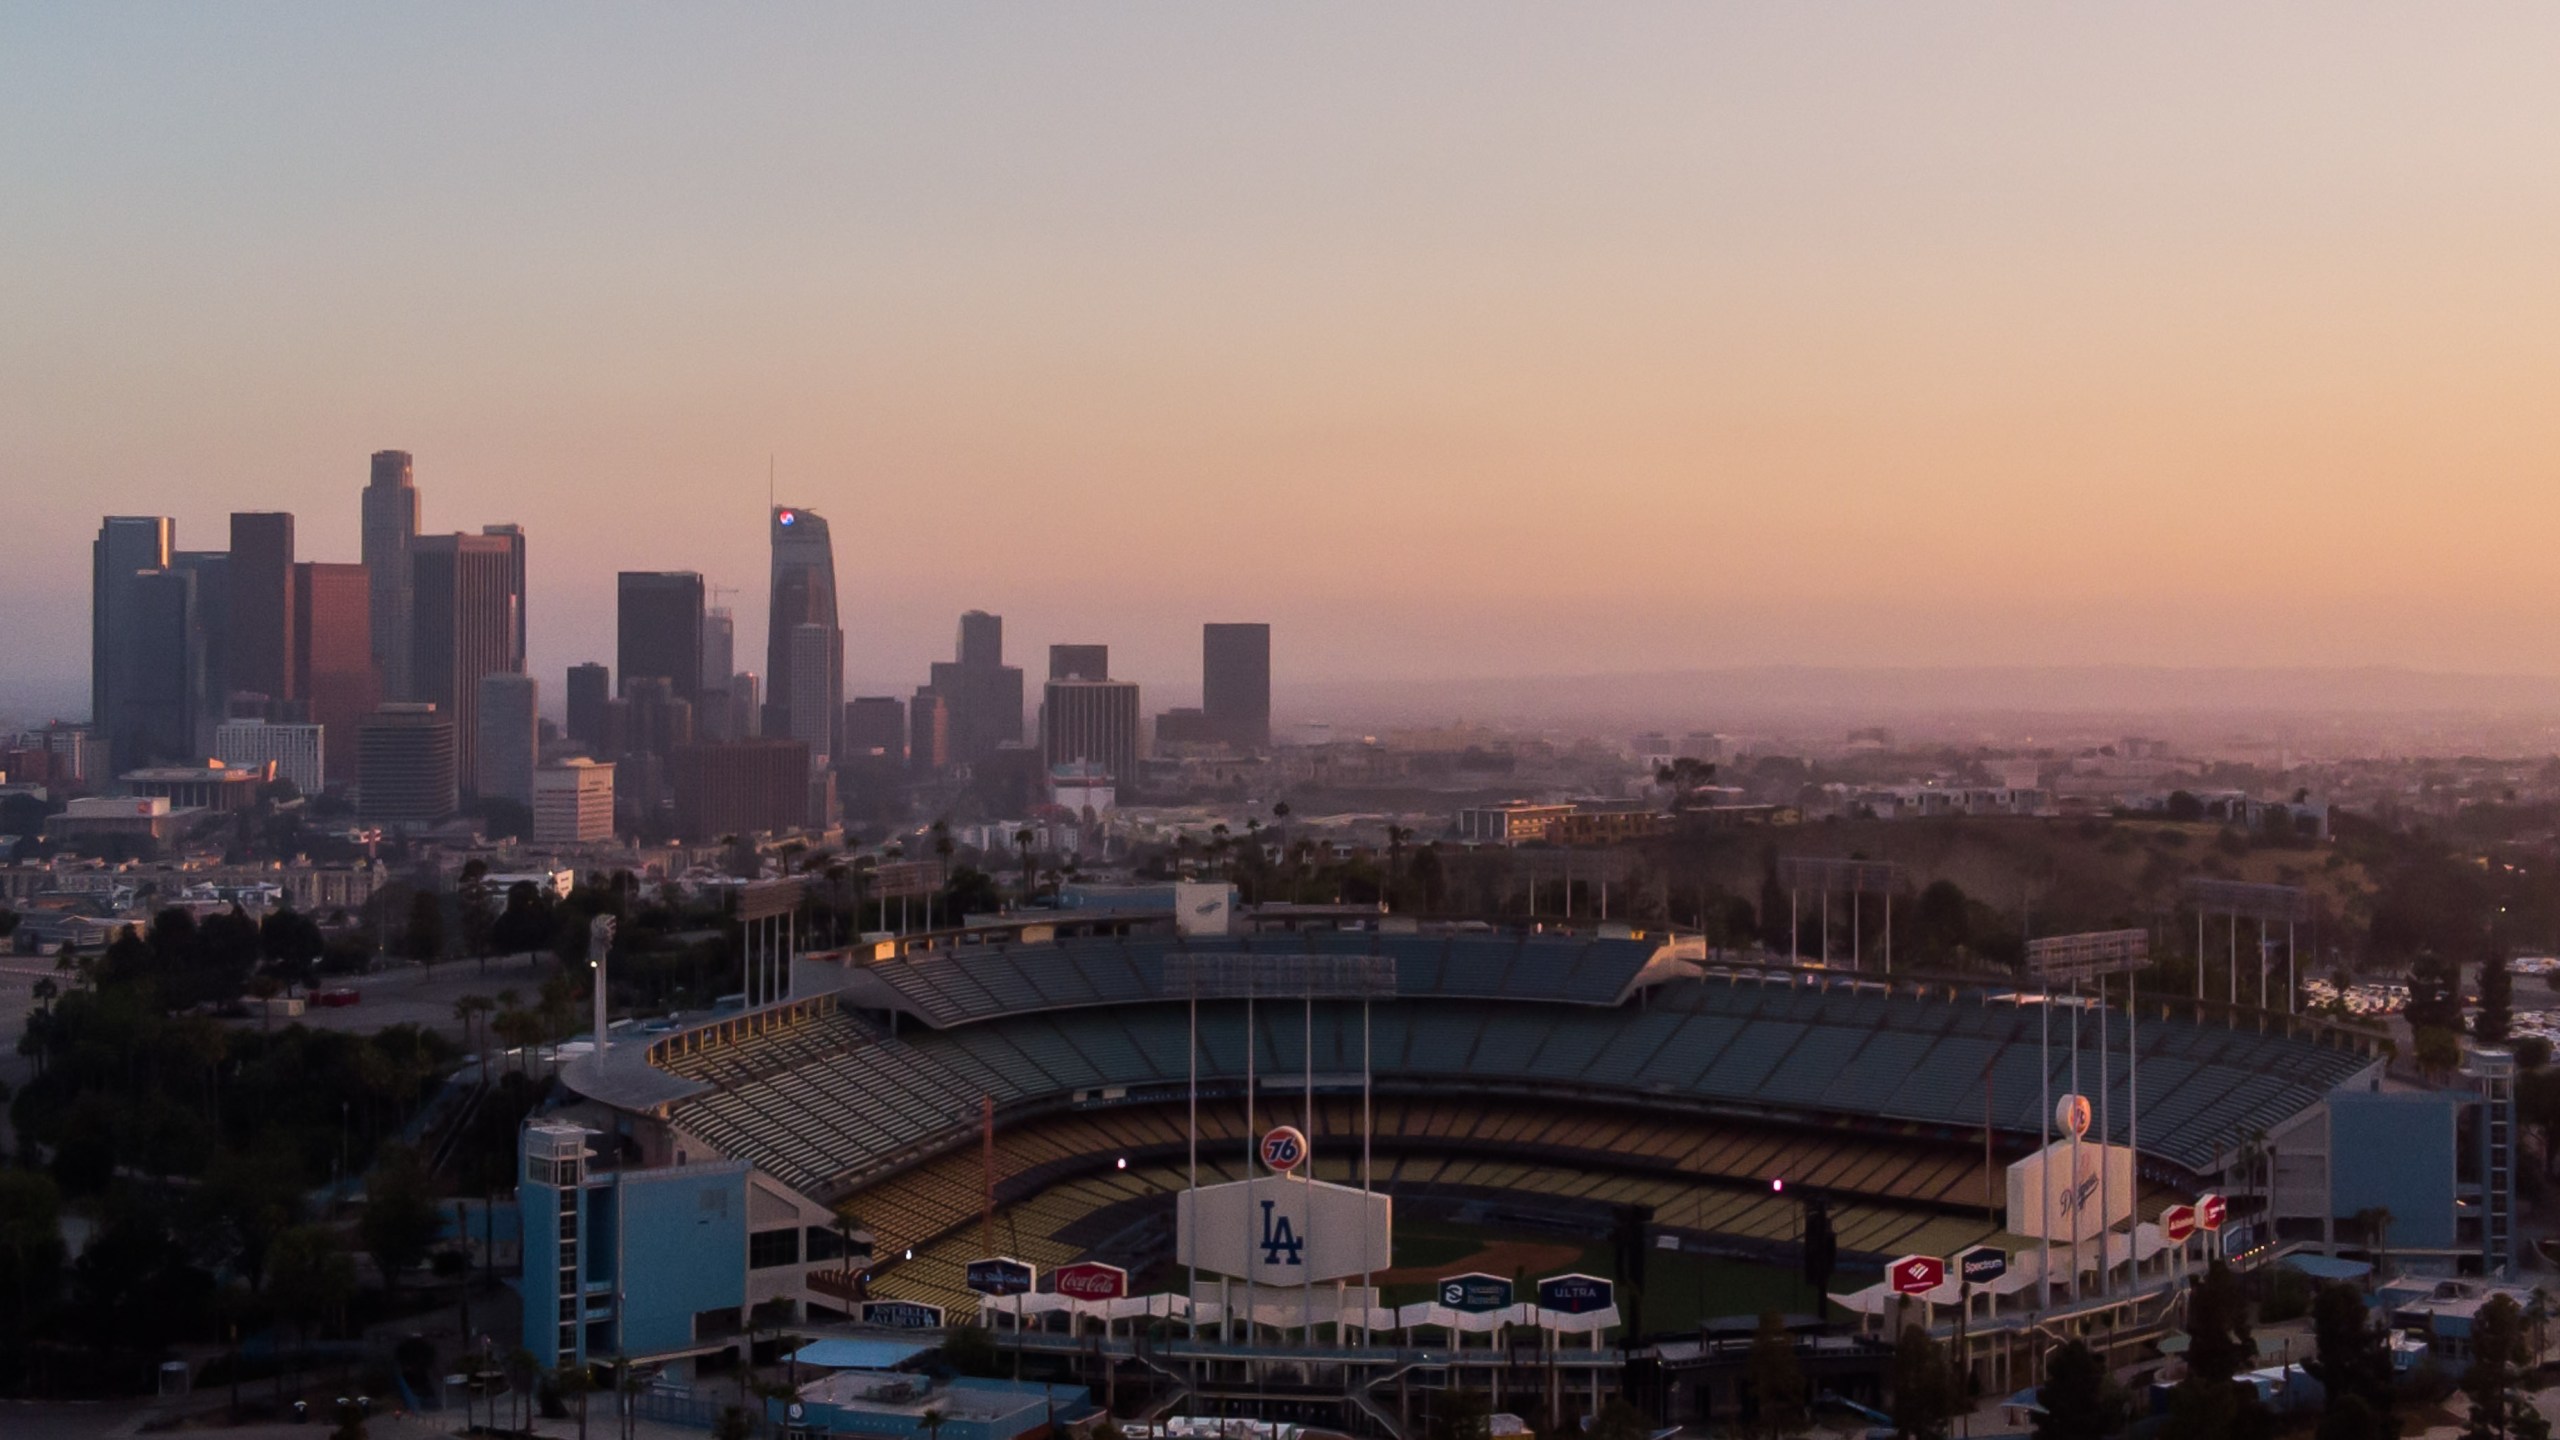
2047	1199
1282	1230
1475	1294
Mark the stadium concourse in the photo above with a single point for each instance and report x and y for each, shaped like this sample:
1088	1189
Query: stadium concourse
1035	1099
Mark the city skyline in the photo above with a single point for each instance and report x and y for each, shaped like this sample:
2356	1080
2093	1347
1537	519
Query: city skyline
2075	345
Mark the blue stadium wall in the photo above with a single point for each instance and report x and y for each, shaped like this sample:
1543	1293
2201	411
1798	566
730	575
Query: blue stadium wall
2398	1151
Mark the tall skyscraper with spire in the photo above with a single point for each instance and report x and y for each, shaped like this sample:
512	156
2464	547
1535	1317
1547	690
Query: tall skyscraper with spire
804	672
390	527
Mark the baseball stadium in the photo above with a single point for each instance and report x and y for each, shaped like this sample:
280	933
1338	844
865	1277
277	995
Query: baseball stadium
1531	1105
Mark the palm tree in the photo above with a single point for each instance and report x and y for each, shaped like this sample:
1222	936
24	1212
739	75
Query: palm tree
473	1012
942	848
2374	1224
1397	835
932	1420
1022	839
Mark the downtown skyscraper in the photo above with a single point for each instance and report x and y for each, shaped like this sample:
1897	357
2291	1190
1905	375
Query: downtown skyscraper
466	623
804	641
658	630
126	549
390	527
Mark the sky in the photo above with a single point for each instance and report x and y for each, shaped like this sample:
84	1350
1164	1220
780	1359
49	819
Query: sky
1460	340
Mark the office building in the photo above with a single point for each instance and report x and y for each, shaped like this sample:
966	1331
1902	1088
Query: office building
590	686
72	754
406	767
573	802
981	643
982	694
716	715
1184	726
658	629
745	706
1079	662
261	605
298	752
1091	722
803	593
876	726
160	687
719	647
512	538
463	610
390	524
127	547
813	706
509	727
928	731
208	639
1235	683
655	719
333	655
740	787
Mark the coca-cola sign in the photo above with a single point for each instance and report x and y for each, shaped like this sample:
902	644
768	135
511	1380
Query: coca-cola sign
1090	1280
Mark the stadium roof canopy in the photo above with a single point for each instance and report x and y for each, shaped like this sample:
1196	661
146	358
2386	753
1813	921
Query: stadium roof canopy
959	987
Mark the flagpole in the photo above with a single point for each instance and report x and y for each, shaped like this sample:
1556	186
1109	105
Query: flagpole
1251	1145
2073	1191
1192	1259
2106	1153
1368	1295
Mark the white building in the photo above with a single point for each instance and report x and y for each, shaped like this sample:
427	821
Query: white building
295	749
573	802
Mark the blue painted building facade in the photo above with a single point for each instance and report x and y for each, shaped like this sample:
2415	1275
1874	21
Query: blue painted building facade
626	1262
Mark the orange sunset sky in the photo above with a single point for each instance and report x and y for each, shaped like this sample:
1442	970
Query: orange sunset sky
1465	340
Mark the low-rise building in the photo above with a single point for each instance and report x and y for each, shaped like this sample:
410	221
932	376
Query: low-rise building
214	786
119	824
573	802
1515	822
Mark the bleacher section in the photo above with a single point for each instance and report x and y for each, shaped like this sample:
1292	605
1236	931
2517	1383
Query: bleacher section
822	1101
923	1204
956	987
1032	1229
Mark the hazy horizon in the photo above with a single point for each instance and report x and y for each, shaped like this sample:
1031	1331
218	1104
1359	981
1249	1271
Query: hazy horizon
1460	343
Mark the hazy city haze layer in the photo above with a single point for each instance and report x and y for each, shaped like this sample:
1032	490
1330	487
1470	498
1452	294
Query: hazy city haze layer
1455	341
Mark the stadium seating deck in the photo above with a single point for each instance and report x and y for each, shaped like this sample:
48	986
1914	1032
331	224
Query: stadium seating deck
836	1099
